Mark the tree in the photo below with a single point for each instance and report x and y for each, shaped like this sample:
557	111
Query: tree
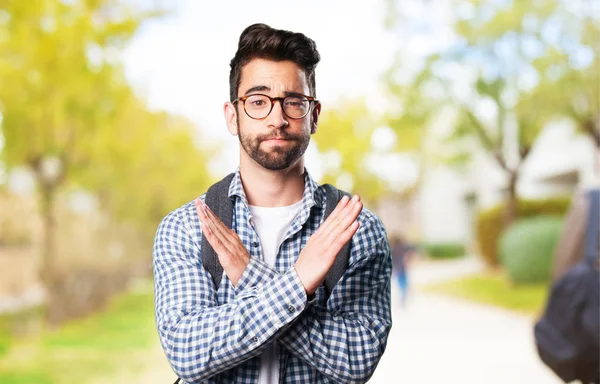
344	140
144	164
524	63
61	82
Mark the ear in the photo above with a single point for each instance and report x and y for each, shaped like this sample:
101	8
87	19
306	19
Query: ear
315	118
230	113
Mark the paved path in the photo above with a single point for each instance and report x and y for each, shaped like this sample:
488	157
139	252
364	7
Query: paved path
437	339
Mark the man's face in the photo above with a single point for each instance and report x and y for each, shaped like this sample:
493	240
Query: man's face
276	142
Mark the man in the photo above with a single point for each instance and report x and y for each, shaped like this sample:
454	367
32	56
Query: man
270	320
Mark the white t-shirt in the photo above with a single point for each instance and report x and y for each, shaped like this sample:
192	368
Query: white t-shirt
271	224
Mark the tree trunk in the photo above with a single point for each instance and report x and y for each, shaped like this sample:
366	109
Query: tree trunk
48	268
511	211
590	127
48	272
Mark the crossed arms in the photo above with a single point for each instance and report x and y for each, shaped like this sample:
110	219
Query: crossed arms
343	340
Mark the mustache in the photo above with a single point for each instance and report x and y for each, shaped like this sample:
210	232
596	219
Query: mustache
277	135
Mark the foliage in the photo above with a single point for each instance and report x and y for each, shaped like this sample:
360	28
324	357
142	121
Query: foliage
344	134
537	56
61	87
87	349
19	324
496	289
505	69
489	223
444	250
65	102
526	248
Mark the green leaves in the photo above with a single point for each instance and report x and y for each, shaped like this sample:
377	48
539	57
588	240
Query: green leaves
64	95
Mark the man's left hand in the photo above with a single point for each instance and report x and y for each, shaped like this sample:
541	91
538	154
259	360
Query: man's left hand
228	246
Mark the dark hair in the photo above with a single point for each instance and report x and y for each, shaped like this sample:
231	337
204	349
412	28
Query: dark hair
259	41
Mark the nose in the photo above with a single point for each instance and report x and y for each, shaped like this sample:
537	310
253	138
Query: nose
277	117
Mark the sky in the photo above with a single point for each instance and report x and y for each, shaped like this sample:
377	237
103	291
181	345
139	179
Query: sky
180	63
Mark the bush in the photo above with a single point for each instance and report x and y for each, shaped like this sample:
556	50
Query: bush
490	223
444	250
527	247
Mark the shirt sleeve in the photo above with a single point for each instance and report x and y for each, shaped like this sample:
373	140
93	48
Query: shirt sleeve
201	338
345	338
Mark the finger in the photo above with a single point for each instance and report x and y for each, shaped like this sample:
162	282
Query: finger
229	243
334	214
226	235
346	216
215	221
214	241
207	222
221	246
332	228
338	243
199	210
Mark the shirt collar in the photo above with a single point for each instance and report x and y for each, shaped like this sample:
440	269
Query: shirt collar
313	195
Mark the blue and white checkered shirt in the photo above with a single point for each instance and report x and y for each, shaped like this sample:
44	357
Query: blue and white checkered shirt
212	336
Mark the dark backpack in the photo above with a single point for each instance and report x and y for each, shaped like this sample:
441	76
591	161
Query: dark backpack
567	335
217	199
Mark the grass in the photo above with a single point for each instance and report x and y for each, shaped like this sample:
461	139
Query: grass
84	350
495	289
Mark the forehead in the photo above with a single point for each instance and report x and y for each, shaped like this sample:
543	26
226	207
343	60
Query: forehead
275	76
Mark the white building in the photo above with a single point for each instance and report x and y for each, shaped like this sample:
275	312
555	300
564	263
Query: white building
560	162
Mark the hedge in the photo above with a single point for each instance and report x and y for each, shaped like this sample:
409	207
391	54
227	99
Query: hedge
489	223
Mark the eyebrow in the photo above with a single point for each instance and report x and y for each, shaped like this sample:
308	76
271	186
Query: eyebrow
262	88
257	88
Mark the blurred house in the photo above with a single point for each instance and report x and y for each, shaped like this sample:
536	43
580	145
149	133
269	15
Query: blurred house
560	162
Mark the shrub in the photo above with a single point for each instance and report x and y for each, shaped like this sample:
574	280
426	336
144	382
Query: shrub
527	247
490	222
444	250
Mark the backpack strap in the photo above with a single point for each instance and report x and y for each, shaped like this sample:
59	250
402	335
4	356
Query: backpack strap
592	235
217	199
333	196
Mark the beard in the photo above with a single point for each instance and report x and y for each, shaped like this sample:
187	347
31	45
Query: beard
278	157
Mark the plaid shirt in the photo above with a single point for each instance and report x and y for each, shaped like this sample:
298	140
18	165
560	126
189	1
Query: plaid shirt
212	336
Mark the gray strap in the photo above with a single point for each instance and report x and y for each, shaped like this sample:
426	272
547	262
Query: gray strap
217	199
333	196
592	235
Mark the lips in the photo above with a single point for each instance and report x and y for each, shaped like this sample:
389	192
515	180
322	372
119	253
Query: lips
277	140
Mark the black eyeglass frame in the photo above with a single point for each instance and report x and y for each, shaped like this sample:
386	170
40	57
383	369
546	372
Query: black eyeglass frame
310	99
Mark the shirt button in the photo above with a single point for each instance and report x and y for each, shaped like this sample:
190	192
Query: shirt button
254	339
255	244
291	309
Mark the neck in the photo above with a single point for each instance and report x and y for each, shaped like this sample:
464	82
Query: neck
266	188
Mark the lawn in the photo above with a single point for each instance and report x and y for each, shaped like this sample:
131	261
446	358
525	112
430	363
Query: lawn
85	350
494	288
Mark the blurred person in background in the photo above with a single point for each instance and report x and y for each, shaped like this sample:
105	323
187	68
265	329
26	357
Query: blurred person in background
402	256
270	319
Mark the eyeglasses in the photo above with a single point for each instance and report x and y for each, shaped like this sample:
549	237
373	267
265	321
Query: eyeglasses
259	106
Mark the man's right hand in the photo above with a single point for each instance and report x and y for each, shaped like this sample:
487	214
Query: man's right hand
316	259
